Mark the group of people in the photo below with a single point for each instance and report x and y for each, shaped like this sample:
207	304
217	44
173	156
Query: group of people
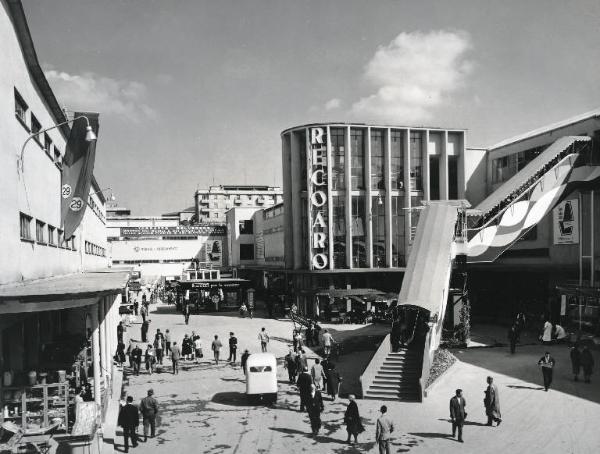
129	418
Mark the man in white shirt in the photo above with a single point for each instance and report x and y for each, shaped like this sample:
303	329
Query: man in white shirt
547	333
264	339
560	333
328	340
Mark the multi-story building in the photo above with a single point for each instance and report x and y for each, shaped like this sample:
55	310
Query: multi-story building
57	295
214	202
350	191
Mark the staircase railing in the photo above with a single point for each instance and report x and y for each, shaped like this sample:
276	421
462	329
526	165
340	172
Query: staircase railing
368	375
426	366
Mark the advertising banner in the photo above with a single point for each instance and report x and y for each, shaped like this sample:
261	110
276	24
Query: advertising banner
181	230
214	252
565	222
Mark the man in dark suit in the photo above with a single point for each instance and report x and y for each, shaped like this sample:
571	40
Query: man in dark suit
383	431
458	414
492	403
314	407
304	384
136	357
232	348
149	408
129	419
547	363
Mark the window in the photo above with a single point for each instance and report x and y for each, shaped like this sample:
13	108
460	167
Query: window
25	226
416	161
434	177
359	253
246	252
61	238
398	256
377	180
48	145
40	229
378	243
453	177
51	237
357	161
57	156
339	231
35	128
338	154
20	108
246	227
397	160
73	245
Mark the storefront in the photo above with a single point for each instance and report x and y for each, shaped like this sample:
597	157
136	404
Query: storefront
580	308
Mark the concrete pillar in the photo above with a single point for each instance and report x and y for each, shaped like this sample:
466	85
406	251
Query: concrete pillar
348	171
444	168
329	200
296	200
426	188
462	183
407	191
288	214
96	352
368	201
103	343
388	196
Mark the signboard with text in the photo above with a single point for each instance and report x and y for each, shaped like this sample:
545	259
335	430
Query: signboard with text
318	192
565	222
181	230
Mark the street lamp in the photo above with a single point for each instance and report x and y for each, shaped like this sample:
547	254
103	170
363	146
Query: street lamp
90	136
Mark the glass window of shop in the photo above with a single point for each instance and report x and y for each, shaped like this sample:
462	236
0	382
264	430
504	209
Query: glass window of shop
377	159
453	177
434	177
338	156
416	160
398	253
359	253
339	231
397	160
357	149
378	241
415	202
301	138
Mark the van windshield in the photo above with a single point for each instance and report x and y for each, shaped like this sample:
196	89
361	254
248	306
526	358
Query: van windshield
260	369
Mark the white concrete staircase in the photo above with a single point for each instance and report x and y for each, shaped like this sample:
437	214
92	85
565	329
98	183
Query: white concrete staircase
397	378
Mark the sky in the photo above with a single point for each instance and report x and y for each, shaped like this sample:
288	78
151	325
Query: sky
192	92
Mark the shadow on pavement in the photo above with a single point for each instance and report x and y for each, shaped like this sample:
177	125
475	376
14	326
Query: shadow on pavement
467	423
431	435
523	366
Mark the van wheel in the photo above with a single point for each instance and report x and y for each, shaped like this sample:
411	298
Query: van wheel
271	398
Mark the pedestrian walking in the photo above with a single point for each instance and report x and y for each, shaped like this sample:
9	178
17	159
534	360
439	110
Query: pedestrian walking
547	363
513	335
244	360
587	363
328	341
352	420
309	335
232	348
316	335
575	356
187	348
145	327
175	357
314	408
198	349
149	409
383	431
150	357
136	356
144	313
289	363
120	354
302	359
130	348
159	346
120	330
520	324
129	420
333	381
317	373
167	342
457	414
186	313
263	336
304	384
136	305
216	348
492	403
298	340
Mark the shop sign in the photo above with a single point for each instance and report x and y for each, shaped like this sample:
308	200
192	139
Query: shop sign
565	219
181	230
201	285
214	252
318	191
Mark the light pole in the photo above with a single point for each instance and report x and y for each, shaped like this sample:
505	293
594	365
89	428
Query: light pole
89	137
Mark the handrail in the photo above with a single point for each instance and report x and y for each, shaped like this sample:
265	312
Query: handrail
525	191
426	366
368	375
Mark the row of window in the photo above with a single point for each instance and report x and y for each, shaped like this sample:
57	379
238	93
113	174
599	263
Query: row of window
34	126
96	209
138	262
45	234
93	249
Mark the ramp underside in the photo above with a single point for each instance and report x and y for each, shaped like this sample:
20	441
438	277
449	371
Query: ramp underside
426	278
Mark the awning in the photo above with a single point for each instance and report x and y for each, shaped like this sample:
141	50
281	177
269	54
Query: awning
522	176
347	292
60	292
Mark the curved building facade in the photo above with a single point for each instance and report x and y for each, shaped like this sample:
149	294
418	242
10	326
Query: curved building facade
349	190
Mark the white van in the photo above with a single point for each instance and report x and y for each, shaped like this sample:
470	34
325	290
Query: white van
261	376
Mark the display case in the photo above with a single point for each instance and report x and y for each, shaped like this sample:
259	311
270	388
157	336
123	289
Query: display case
36	407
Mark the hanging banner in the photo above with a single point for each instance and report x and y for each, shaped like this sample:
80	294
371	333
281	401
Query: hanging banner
318	218
214	252
77	173
565	223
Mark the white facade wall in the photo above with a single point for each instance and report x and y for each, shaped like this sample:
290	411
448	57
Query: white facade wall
234	238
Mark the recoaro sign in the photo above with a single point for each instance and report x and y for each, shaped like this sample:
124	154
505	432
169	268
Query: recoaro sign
318	190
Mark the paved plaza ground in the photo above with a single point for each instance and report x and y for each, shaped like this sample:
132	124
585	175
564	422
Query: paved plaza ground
204	409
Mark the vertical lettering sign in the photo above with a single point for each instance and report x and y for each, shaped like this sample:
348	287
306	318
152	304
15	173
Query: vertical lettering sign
317	171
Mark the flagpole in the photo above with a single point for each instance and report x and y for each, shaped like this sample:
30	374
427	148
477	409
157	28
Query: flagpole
89	136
